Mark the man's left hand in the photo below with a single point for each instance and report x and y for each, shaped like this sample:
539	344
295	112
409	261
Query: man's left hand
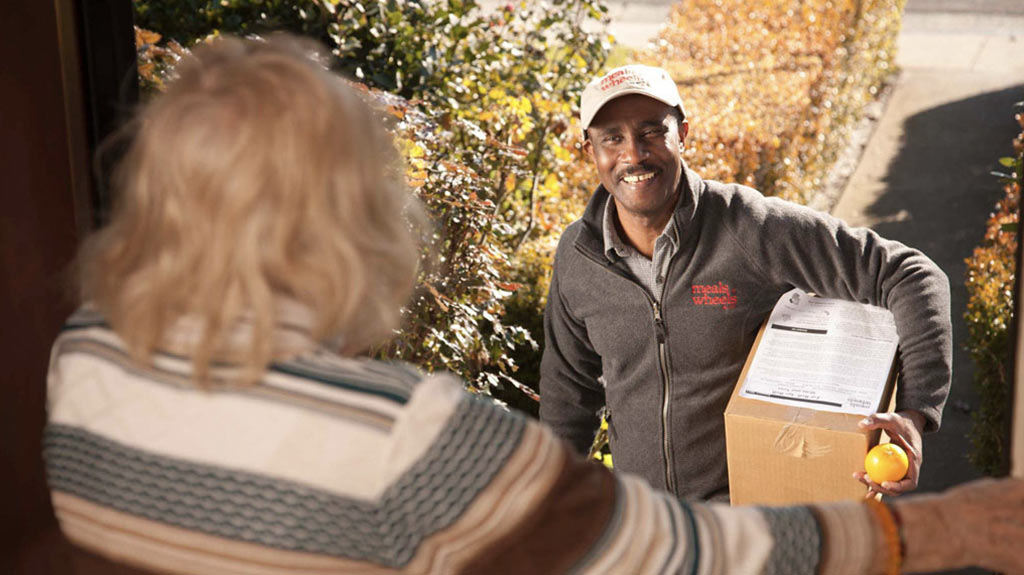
904	428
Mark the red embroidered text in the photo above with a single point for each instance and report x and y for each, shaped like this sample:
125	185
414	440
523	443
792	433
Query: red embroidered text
714	294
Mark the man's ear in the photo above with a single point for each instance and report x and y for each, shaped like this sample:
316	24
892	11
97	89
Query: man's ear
684	129
588	147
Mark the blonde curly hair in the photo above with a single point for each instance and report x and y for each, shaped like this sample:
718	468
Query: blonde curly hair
258	178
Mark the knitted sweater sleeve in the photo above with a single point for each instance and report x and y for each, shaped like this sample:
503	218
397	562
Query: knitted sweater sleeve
792	245
530	505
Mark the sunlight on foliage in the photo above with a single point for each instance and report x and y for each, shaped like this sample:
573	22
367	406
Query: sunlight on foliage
774	88
155	61
483	108
990	281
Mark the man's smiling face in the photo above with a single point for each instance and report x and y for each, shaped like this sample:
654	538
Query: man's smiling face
635	142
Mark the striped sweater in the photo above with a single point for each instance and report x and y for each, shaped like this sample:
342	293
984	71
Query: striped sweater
339	465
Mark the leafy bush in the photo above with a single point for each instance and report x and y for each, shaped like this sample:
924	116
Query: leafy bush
187	21
156	59
991	272
773	88
483	109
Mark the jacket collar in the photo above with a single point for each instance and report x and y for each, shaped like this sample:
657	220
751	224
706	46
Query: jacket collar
591	235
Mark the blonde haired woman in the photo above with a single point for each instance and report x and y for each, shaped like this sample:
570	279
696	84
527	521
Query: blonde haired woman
208	413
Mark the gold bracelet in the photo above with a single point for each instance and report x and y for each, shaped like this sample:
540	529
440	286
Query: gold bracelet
891	531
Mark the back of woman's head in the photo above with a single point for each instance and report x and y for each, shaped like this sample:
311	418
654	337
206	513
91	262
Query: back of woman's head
258	178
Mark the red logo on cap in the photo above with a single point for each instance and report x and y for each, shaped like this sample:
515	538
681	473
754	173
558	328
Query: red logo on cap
620	77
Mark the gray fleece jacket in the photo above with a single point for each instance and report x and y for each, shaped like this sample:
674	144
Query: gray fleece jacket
666	370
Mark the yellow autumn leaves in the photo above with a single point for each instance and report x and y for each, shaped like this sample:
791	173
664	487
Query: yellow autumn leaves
774	87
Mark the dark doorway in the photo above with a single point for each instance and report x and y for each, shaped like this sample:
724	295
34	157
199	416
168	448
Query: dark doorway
66	78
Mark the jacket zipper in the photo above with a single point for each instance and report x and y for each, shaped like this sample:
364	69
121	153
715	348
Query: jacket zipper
659	328
659	325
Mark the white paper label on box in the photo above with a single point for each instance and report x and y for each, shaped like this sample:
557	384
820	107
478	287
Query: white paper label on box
825	354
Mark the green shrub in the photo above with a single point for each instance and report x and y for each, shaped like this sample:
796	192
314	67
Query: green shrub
187	21
990	282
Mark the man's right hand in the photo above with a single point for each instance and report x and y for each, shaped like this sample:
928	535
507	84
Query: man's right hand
905	429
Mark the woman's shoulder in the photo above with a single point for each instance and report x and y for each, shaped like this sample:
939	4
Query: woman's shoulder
394	380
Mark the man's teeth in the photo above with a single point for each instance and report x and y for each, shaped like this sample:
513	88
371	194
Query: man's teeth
639	178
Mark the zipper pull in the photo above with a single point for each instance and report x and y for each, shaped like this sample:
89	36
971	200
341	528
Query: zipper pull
659	325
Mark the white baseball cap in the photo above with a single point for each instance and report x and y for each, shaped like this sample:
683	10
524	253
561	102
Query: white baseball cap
632	79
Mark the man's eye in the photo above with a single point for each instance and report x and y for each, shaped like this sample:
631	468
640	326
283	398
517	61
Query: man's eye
612	139
654	133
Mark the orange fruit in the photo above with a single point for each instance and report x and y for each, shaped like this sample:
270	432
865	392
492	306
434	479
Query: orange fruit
886	462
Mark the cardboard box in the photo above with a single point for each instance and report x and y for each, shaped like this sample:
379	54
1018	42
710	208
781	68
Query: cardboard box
782	455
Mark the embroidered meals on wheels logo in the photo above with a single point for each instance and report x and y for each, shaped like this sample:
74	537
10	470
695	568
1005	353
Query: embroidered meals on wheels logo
624	77
714	294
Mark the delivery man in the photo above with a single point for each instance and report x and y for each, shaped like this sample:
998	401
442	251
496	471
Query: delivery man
658	292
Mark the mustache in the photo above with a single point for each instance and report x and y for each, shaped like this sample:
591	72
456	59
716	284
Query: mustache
638	169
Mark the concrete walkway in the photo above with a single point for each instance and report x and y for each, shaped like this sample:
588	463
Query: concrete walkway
634	23
924	177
